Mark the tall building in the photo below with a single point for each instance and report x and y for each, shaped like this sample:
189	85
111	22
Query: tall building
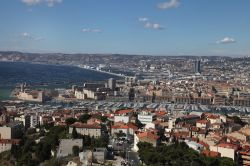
112	83
197	66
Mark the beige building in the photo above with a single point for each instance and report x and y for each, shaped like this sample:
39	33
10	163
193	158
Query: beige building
239	136
86	129
66	146
147	136
225	149
6	144
11	130
34	96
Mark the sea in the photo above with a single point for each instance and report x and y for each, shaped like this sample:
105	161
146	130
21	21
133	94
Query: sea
44	76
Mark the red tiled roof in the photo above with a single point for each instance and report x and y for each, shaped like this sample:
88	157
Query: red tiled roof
190	116
123	111
149	135
182	134
132	126
88	126
212	116
10	141
228	145
193	128
125	126
211	153
120	127
204	144
160	113
202	121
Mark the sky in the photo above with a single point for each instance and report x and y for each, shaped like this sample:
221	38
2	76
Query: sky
150	27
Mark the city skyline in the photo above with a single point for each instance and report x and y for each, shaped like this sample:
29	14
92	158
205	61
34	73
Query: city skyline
162	27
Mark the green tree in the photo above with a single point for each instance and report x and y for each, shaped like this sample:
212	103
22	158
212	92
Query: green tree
120	134
75	150
131	94
138	123
74	133
237	120
70	121
84	118
43	151
153	97
177	154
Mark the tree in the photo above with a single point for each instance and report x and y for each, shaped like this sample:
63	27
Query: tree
70	121
138	123
214	89
176	154
74	133
237	120
131	94
43	151
153	97
75	150
120	134
84	118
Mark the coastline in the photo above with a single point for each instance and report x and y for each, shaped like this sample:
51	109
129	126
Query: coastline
101	71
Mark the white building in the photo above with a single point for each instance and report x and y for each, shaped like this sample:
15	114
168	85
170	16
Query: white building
66	146
34	121
146	117
225	149
80	95
86	129
194	145
124	119
34	96
6	144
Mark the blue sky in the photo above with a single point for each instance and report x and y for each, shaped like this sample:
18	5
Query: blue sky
152	27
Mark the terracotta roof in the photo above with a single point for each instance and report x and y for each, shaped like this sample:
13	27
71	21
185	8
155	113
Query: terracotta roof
132	126
211	153
88	126
202	132
190	117
125	126
228	145
120	127
193	128
202	121
182	134
212	116
204	144
149	135
160	113
123	111
10	141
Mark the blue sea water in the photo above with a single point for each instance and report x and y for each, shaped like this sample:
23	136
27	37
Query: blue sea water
13	73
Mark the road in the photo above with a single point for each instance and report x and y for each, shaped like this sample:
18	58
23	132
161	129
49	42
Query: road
131	156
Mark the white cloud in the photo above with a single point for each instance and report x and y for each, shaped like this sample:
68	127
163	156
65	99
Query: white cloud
143	19
28	36
91	30
169	4
31	2
150	25
38	38
226	40
153	26
49	3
